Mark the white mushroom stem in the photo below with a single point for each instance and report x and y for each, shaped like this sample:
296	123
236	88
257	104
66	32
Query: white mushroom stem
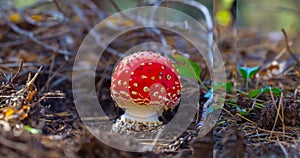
142	115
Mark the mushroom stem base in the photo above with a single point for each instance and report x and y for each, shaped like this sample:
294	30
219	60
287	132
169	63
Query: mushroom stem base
137	120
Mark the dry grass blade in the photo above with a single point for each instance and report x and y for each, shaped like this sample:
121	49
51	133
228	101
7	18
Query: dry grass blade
278	112
241	116
30	82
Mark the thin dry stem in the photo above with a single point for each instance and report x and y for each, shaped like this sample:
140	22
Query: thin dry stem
289	49
17	73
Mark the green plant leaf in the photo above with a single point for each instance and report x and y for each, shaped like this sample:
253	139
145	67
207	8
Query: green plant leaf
32	130
247	73
228	87
243	111
276	91
188	68
257	92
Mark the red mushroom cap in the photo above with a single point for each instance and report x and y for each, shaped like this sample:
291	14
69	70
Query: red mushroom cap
146	79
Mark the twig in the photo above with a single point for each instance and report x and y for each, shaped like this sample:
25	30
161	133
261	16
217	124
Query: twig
28	84
282	114
42	37
11	65
58	7
17	73
118	9
289	49
278	111
106	71
254	127
246	119
51	74
228	112
282	148
58	16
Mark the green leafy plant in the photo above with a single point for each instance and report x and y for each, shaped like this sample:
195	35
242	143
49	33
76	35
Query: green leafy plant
233	102
188	68
258	92
247	73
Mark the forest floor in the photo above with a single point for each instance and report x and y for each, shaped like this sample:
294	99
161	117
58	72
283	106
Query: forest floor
38	117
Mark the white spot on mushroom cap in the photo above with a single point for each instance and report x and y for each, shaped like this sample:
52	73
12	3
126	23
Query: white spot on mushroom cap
168	77
155	94
145	89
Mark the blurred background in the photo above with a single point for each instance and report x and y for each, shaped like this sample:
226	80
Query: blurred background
268	15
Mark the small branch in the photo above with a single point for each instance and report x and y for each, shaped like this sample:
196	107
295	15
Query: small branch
19	70
277	111
286	154
58	7
43	25
289	49
118	9
42	37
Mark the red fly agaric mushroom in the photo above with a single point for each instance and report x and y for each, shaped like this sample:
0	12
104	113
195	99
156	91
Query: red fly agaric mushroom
144	84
